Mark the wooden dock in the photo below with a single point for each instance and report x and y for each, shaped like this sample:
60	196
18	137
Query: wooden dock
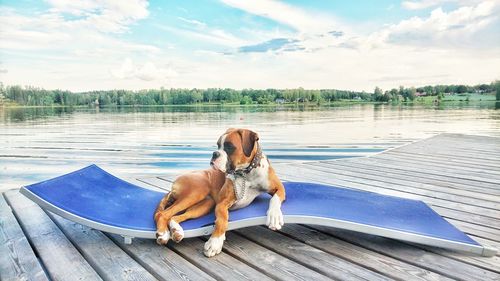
457	175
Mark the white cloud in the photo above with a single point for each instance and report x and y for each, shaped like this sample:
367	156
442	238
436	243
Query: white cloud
299	19
424	4
145	72
51	30
193	22
210	35
104	15
455	28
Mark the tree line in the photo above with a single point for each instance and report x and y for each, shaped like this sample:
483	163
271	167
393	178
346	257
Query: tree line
33	96
409	94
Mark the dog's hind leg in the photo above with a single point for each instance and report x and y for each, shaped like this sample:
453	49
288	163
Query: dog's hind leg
179	205
199	209
165	202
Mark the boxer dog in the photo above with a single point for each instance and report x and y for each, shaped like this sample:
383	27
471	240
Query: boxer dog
240	172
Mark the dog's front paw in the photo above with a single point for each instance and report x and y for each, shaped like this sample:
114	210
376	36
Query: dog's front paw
162	238
274	215
176	231
275	219
214	245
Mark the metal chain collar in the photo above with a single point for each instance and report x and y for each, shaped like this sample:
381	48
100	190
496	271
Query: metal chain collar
243	174
237	193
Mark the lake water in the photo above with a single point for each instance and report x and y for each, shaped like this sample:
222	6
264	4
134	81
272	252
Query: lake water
39	143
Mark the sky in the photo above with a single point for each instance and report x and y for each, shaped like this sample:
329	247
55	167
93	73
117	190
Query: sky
355	45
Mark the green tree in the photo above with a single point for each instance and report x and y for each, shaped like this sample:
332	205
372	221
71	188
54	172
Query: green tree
461	89
497	88
412	93
246	100
378	94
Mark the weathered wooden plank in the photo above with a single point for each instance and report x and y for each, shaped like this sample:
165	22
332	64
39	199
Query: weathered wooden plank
168	178
111	262
223	266
434	178
394	182
443	149
458	149
448	148
274	265
462	141
160	261
144	184
443	169
478	230
459	144
156	182
17	259
430	157
486	242
490	263
375	261
411	181
430	162
427	167
313	258
59	256
487	140
465	150
428	179
468	217
398	182
414	255
448	158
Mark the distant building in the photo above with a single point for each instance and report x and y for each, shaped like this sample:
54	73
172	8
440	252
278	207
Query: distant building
280	100
420	94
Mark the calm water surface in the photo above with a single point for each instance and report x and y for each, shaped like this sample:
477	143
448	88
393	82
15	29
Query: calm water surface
38	143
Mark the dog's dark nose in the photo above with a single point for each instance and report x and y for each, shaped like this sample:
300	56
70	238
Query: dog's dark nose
215	155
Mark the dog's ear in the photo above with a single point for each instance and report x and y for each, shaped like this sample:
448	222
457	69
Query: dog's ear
248	140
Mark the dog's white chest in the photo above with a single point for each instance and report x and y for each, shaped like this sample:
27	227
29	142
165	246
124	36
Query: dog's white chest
246	189
247	195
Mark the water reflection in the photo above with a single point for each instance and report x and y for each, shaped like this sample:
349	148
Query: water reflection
38	143
21	114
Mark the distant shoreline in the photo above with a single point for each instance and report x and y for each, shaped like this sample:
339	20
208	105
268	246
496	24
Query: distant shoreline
31	96
472	98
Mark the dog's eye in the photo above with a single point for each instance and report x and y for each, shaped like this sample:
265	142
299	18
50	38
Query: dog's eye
228	147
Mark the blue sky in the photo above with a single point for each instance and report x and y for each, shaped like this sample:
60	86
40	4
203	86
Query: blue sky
99	44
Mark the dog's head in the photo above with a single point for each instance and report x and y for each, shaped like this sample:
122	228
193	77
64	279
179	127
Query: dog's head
235	150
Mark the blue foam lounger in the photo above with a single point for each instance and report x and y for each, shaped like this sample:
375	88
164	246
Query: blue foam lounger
97	199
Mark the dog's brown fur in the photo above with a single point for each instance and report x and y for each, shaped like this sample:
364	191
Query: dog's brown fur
193	192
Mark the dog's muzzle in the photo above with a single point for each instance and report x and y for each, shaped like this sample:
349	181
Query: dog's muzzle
219	160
